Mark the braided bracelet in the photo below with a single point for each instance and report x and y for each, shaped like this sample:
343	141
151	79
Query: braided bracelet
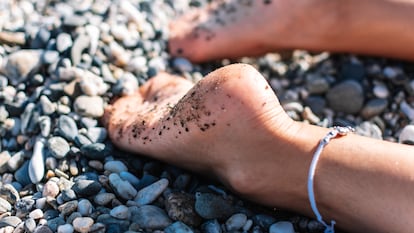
336	131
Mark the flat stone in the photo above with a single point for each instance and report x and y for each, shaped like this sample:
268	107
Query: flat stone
180	207
151	217
115	166
67	127
97	134
36	214
68	208
178	227
43	229
212	206
89	106
148	194
58	146
5	206
122	188
82	224
236	222
21	64
351	91
374	107
80	44
282	227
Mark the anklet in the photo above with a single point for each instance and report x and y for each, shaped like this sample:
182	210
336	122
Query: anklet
336	131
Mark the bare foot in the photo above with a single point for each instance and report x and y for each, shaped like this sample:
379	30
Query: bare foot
222	125
231	28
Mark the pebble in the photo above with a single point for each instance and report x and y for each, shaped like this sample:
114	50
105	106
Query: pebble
349	90
115	166
380	90
36	214
48	107
5	206
120	212
182	64
4	159
50	189
97	134
180	207
282	227
36	167
148	194
82	224
373	108
178	227
58	146
211	206
43	229
67	128
150	217
369	129
45	124
68	208
63	42
86	188
316	84
21	64
122	188
30	225
236	222
407	135
66	228
89	106
96	151
85	207
211	226
10	221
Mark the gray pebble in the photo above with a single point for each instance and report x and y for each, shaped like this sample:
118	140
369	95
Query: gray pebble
22	174
82	140
151	217
81	43
82	224
369	129
407	110
316	84
236	222
68	208
58	146
282	227
86	188
48	107
89	106
63	42
120	212
97	134
68	195
125	175
73	20
407	135
115	166
30	225
67	127
45	124
43	229
211	226
26	117
66	228
182	64
150	193
211	206
21	64
373	108
380	90
263	220
10	221
50	57
36	167
4	159
349	90
96	151
85	207
180	207
122	188
178	227
36	214
5	206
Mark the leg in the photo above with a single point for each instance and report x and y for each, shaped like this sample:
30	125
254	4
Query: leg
231	124
231	29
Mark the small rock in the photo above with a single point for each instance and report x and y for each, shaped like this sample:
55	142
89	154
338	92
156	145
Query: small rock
96	151
381	91
58	146
211	226
5	206
150	217
82	224
50	189
182	64
150	193
36	167
180	207
373	108
30	225
43	229
120	212
10	221
21	64
48	107
45	124
316	84
68	208
211	206
89	106
130	178
353	71
85	207
178	227
66	228
86	188
122	188
115	166
369	129
282	227
236	222
97	134
50	57
351	91
4	159
63	42
67	127
407	135
36	214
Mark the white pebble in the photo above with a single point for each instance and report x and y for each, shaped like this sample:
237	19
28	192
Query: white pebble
82	224
66	228
281	227
407	134
36	214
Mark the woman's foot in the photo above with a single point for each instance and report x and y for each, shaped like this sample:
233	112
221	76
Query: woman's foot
231	28
229	125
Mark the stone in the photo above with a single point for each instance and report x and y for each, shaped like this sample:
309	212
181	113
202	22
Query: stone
48	107
49	57
349	90
21	64
282	227
82	224
180	207
5	206
380	90
22	174
36	167
50	189
85	207
36	214
211	206
30	225
10	221
150	217
236	222
86	188
4	159
43	229
353	71
407	135
182	64
89	106
148	194
97	134
66	228
373	108
211	226
120	212
115	166
45	124
132	179
122	188
96	151
178	227
316	84
68	208
58	146
63	42
369	129
67	127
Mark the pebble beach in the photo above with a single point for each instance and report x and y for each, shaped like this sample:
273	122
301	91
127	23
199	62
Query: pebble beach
61	63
